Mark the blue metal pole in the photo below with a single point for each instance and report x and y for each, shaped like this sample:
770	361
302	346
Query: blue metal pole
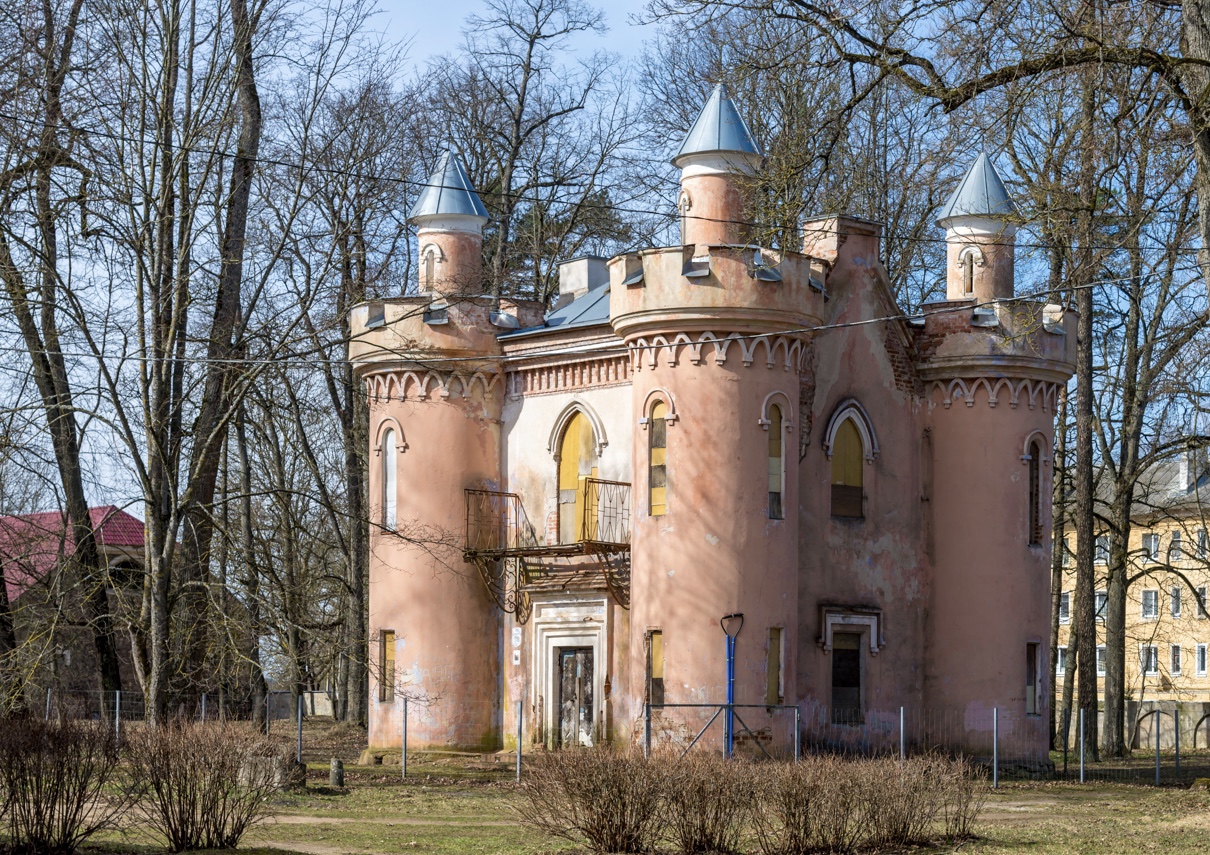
729	734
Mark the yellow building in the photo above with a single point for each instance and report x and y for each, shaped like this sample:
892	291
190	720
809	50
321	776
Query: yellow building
1167	630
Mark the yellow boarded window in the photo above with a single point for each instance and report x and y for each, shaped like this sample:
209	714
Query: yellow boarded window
848	456
655	667
386	655
658	472
577	463
776	464
774	693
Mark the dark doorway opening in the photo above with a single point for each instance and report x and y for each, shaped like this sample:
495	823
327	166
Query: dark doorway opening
846	679
575	696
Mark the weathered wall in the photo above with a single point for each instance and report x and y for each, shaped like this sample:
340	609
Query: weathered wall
878	562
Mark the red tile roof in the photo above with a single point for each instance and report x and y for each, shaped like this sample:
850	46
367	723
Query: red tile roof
31	544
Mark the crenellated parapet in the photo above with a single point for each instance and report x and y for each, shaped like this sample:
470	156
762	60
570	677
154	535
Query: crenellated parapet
725	288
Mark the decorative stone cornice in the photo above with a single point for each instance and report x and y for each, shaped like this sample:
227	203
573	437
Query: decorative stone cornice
1033	393
768	350
403	384
567	376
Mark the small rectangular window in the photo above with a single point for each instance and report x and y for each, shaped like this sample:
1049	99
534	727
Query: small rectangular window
1100	602
1201	660
775	677
1065	607
1032	689
1102	550
1175	601
386	656
1175	552
655	666
1061	661
1101	659
1149	657
1201	543
1151	547
1174	653
1201	603
1151	605
1064	553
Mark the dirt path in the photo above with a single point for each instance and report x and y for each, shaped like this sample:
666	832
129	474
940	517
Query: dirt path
314	819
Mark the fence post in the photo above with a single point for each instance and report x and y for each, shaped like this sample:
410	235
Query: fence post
902	739
1081	744
995	747
520	725
646	730
1176	729
203	707
48	703
403	741
797	733
268	716
300	713
1158	722
117	719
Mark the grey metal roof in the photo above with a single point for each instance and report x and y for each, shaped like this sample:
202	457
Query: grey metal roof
980	193
587	310
719	128
448	192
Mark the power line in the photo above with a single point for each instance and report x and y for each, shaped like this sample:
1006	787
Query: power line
294	360
519	197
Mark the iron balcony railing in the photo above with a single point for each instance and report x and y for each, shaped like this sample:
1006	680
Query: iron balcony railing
606	512
497	526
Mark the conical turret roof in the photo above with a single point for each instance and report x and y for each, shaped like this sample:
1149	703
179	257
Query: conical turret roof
448	192
980	193
720	128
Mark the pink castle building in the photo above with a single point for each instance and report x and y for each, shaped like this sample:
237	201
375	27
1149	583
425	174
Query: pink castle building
572	508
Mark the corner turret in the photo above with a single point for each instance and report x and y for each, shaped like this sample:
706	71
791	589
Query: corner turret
449	217
980	236
715	158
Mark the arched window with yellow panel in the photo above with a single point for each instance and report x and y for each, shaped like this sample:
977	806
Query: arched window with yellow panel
777	464
577	463
657	470
848	456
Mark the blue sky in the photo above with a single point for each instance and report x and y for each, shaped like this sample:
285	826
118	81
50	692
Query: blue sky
435	26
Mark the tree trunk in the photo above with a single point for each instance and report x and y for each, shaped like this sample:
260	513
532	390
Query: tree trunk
1060	550
251	580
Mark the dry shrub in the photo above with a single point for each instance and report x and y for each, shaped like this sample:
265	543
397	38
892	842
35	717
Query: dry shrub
609	799
206	784
55	784
708	801
837	805
966	793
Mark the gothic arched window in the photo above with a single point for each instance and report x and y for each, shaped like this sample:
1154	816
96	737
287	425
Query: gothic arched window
389	490
657	473
1035	493
777	464
577	463
848	456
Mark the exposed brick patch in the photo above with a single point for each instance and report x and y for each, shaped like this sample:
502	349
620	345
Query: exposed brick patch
903	363
806	398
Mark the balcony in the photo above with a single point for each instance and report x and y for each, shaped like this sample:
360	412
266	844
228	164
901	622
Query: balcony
512	560
498	527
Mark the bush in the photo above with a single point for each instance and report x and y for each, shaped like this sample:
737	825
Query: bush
55	784
836	805
708	801
609	799
205	784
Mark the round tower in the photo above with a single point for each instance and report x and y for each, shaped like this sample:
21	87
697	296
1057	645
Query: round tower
714	499
433	376
716	160
993	376
980	234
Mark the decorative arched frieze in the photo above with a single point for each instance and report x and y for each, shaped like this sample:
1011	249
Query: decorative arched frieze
1043	442
389	423
785	350
420	385
1035	394
659	395
787	410
851	409
599	439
